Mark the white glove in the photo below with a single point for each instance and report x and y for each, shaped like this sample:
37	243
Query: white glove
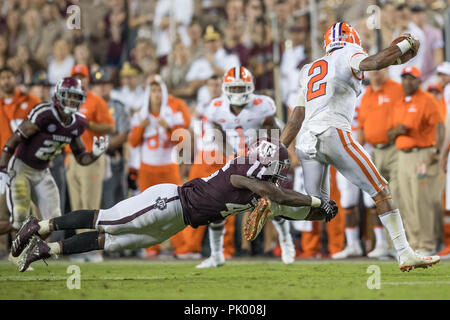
4	181
100	145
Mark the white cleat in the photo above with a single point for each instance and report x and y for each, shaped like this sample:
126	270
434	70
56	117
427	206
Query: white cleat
353	250
94	257
287	251
379	251
410	260
213	261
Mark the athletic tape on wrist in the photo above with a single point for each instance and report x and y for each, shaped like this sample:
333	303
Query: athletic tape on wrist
315	202
404	46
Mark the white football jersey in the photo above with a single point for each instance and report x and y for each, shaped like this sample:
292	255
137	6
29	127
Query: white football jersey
242	128
331	88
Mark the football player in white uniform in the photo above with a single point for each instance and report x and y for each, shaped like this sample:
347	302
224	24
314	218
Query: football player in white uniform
240	114
328	92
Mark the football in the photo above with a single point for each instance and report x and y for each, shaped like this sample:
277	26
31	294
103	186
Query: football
407	56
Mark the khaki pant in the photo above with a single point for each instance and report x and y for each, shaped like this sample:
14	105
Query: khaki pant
386	161
85	184
420	196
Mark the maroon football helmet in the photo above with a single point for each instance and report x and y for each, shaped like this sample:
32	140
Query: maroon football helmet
69	95
273	155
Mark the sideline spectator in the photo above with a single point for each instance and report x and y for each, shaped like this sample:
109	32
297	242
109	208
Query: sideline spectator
152	129
114	187
61	63
433	47
14	108
405	24
418	132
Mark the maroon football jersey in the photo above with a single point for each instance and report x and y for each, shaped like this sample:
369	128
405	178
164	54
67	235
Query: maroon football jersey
214	198
37	151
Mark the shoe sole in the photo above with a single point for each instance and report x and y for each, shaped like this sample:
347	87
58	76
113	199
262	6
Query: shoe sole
255	221
26	251
423	266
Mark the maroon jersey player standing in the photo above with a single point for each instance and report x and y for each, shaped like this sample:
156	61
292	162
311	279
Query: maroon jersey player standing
165	209
43	135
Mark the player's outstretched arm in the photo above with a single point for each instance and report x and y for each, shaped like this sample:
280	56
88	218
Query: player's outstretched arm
405	49
270	191
85	158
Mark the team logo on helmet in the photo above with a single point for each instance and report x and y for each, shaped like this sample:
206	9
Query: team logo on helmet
238	86
69	95
266	149
273	155
339	35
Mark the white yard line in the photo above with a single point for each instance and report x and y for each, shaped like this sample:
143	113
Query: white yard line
414	283
60	278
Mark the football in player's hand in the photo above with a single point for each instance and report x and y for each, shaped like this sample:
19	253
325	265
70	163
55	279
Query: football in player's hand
398	40
408	55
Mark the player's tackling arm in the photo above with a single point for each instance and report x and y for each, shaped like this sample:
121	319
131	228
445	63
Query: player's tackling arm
276	194
26	130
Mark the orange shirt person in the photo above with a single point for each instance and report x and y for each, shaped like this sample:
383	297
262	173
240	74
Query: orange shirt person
154	129
85	183
14	108
14	104
417	120
376	108
95	109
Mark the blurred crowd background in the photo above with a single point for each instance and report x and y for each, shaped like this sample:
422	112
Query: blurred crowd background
120	45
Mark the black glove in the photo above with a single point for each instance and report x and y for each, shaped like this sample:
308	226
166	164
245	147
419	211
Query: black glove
329	209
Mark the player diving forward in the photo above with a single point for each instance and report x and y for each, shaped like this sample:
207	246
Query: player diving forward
324	111
238	114
165	209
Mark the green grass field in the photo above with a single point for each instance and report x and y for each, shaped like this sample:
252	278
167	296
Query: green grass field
239	279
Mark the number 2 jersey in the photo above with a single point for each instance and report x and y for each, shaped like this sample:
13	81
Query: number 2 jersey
205	200
330	87
38	150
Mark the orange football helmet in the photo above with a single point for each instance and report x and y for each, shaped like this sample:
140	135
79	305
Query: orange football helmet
339	34
238	85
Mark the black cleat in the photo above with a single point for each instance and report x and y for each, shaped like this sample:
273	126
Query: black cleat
36	250
29	229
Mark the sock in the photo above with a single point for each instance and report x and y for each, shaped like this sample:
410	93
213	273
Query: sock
380	238
352	235
283	228
216	232
44	228
81	219
79	243
392	221
55	248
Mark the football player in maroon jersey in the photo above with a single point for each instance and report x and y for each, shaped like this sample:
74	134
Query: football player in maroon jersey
165	209
50	126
